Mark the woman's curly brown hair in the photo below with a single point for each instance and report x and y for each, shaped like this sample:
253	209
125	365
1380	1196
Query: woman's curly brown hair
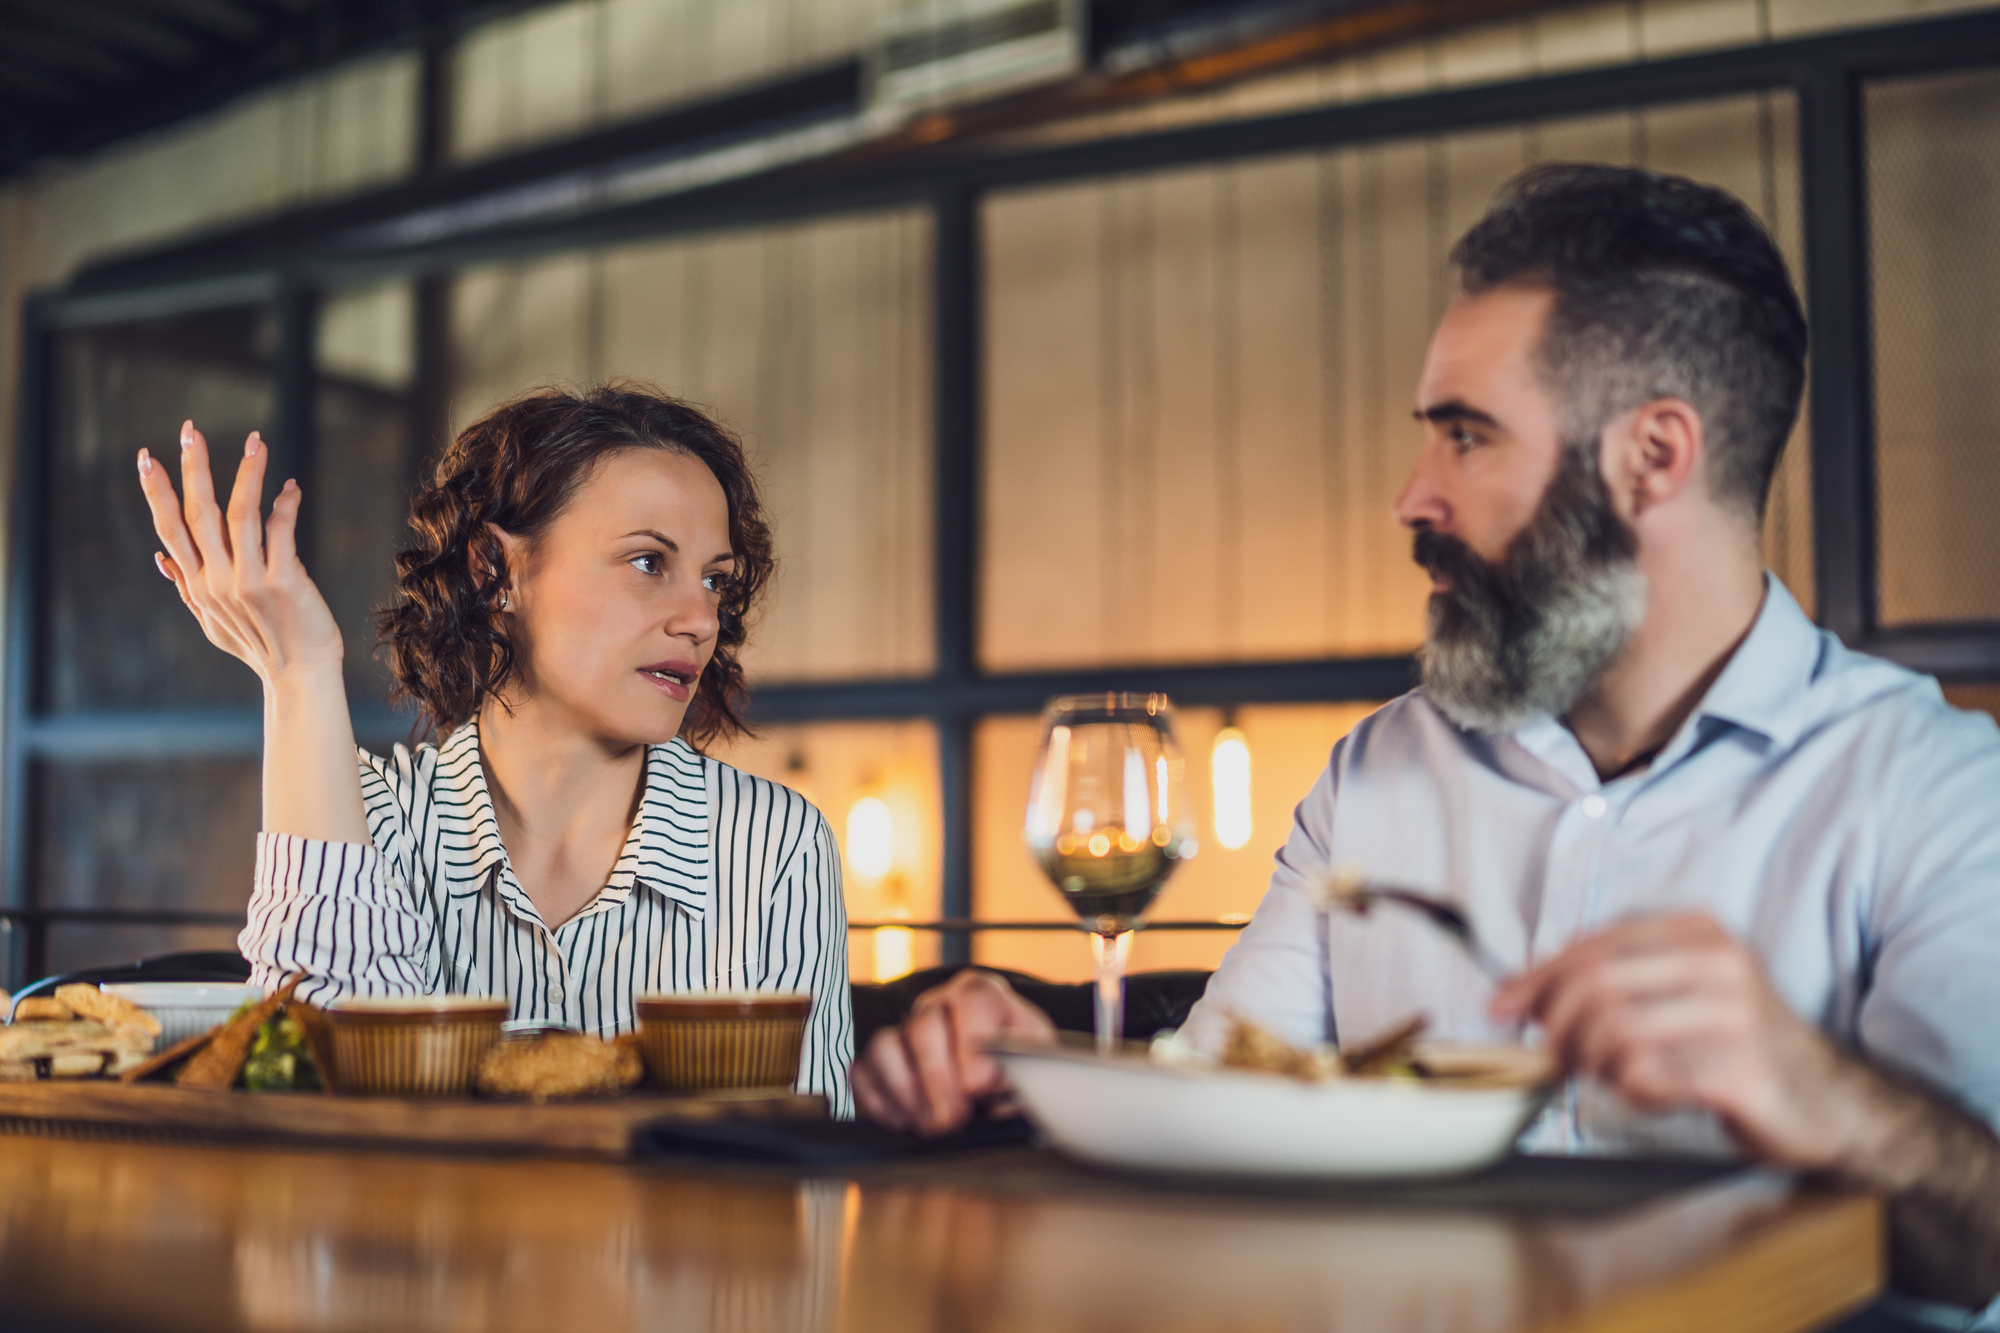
517	468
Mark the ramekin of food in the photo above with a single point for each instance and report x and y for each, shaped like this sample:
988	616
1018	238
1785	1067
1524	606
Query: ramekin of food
412	1045
716	1040
185	1008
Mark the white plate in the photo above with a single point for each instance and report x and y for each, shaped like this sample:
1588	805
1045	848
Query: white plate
1128	1111
184	1008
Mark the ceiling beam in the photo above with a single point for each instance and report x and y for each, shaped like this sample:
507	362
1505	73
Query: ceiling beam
72	59
217	18
241	45
39	90
111	25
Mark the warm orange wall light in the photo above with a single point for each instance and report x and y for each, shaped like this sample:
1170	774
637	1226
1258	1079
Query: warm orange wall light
871	854
1229	780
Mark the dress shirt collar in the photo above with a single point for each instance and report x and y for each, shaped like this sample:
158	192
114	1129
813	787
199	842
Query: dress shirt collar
1764	690
667	850
1766	686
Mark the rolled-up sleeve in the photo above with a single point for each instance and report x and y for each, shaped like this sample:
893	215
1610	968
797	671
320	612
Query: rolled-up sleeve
342	913
1275	972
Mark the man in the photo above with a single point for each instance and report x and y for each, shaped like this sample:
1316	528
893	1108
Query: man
1751	880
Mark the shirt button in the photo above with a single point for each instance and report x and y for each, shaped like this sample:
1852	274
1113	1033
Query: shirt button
555	995
1593	806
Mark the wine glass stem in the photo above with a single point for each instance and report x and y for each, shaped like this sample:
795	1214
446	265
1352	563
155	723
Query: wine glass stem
1110	952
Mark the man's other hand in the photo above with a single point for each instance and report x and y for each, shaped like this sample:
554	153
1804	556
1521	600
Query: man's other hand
930	1074
1673	1012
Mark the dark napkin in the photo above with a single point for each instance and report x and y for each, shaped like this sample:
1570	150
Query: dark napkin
996	1154
814	1142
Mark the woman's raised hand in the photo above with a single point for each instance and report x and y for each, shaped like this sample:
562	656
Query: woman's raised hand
238	572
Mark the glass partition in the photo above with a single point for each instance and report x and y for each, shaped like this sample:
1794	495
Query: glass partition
172	836
812	340
1934	204
115	635
365	447
1199	385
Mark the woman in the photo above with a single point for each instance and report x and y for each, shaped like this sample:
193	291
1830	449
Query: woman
568	624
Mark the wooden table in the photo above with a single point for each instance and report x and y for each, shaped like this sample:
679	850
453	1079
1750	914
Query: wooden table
131	1235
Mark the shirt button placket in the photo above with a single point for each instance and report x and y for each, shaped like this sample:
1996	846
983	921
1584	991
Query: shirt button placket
557	991
1572	866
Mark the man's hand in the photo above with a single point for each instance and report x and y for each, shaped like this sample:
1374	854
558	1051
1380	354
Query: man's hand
932	1072
1673	1012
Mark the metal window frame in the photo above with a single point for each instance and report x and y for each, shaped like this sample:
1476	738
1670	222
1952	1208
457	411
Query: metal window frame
1825	73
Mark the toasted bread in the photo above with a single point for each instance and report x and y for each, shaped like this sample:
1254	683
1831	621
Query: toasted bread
554	1066
111	1010
35	1040
78	1064
78	1048
164	1060
43	1009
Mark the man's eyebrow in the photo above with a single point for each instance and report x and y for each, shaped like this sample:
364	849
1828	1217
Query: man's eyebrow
1453	409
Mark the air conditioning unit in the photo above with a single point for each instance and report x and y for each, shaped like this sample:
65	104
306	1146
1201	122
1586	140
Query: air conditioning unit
947	52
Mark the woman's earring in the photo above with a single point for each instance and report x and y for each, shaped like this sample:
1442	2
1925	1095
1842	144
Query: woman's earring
503	601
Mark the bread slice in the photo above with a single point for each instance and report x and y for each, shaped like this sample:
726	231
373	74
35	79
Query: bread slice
161	1061
43	1009
111	1010
79	1063
36	1040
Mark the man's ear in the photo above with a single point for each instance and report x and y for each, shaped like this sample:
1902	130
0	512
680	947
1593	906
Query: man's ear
1654	455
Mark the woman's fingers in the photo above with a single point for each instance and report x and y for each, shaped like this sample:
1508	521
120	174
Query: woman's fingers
171	574
246	502
166	510
281	530
204	516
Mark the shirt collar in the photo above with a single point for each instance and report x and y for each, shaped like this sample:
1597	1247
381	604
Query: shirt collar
1765	686
667	850
1762	690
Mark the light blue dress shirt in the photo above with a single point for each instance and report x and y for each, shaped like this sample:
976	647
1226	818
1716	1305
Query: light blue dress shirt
1828	808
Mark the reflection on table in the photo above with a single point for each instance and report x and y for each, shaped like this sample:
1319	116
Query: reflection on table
209	1238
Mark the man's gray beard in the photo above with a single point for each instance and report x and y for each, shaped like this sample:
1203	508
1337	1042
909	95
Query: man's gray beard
1535	633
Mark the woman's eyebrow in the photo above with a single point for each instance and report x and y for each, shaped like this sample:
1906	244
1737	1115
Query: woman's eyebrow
674	546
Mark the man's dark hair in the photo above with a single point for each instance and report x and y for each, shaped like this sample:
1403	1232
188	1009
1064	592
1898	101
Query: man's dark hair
1663	289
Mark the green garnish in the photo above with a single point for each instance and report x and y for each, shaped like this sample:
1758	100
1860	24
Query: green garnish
280	1060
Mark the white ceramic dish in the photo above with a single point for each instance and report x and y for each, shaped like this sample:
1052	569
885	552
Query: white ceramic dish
1131	1112
185	1008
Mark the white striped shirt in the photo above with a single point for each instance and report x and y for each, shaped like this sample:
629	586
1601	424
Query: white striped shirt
726	882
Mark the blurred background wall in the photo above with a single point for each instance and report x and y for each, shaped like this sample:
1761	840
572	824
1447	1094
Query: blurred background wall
1192	387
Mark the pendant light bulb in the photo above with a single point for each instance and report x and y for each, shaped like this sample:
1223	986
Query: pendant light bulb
871	838
1229	772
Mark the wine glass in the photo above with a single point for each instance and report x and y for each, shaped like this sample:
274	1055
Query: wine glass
1108	821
